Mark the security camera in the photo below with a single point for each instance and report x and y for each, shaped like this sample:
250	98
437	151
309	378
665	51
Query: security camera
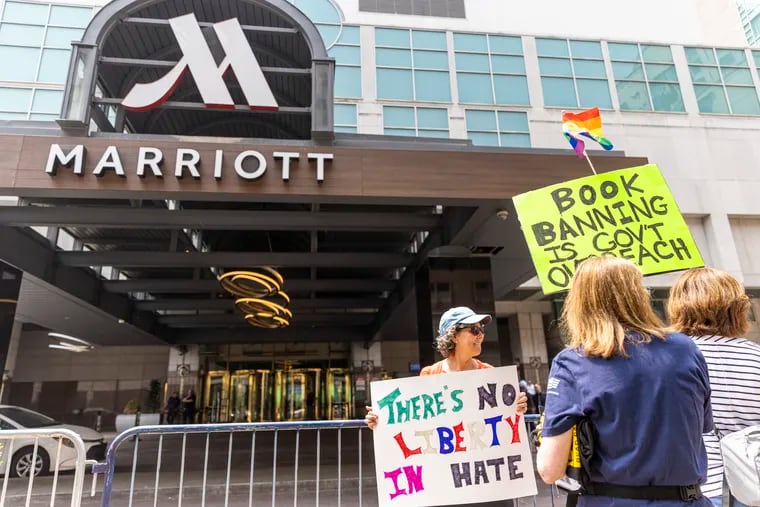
502	214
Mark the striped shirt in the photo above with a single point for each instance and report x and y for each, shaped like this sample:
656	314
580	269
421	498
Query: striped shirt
734	366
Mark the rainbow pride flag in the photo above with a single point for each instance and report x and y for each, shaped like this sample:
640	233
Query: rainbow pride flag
585	124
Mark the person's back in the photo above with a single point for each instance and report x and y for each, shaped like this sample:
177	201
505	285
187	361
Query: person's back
648	409
734	365
639	394
712	307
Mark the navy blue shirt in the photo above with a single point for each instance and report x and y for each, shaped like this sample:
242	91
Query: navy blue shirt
649	411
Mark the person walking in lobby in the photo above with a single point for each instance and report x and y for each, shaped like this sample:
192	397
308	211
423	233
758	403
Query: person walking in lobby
711	306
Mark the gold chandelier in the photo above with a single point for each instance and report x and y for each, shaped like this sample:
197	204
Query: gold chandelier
259	296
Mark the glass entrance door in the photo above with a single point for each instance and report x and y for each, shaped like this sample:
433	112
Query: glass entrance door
261	396
242	387
339	393
216	400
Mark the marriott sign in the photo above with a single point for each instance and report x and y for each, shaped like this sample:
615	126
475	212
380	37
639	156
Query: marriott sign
248	164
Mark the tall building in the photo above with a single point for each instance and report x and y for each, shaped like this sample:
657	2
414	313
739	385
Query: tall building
749	12
439	112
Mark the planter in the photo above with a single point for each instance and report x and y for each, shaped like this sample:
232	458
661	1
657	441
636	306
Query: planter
126	421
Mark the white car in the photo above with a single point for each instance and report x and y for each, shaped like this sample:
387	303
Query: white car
12	418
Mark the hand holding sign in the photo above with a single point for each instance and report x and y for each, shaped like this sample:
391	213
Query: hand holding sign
628	213
452	439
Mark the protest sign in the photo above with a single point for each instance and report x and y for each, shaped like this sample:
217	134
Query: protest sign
451	439
628	213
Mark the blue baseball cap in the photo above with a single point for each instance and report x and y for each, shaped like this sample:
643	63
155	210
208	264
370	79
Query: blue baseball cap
461	315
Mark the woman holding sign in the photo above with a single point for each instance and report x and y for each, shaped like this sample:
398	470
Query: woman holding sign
639	396
711	306
460	337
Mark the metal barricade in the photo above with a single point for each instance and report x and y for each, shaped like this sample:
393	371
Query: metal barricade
13	441
142	433
147	435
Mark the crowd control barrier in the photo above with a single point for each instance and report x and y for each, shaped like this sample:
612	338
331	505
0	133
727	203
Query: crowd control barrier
27	449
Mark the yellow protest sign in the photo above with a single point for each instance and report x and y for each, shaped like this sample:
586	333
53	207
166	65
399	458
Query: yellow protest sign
628	213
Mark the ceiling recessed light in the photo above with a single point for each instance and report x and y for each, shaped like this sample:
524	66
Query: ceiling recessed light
121	321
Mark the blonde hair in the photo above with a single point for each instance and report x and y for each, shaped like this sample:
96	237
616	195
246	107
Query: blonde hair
606	302
707	301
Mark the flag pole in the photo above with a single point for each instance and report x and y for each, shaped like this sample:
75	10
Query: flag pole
589	162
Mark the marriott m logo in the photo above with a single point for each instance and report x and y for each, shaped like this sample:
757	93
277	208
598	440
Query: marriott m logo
208	76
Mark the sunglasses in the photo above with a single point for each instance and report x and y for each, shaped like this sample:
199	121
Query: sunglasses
474	330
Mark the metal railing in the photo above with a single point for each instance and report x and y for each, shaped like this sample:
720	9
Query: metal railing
14	441
137	434
281	491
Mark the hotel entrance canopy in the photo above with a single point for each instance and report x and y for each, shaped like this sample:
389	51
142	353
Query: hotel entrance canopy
164	198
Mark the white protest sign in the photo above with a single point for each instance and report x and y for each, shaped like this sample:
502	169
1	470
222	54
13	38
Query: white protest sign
451	439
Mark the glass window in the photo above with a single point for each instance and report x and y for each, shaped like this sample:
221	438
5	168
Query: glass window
429	40
392	37
35	44
21	12
629	52
19	64
412	65
573	73
319	11
17	100
559	92
511	90
345	118
723	81
348	81
432	86
62	37
656	53
348	64
54	65
644	86
395	84
711	99
432	118
470	42
416	121
75	17
474	88
21	35
47	101
498	128
633	96
490	69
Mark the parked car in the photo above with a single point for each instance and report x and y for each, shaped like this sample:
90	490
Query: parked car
12	418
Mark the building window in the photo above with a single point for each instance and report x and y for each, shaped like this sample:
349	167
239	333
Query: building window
439	8
341	41
345	118
416	121
498	128
412	65
573	73
30	103
645	78
348	69
722	81
490	70
35	40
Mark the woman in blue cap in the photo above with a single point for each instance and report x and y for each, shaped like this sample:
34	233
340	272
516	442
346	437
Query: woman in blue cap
460	338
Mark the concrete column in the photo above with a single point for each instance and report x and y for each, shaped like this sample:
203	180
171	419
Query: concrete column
721	245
